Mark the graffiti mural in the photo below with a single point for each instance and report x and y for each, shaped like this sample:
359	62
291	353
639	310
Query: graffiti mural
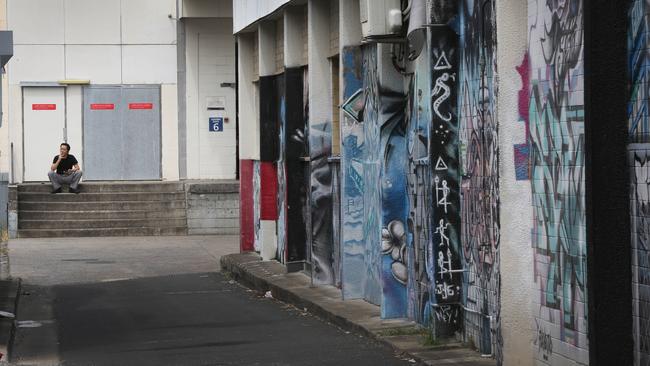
353	238
443	257
394	199
320	149
640	225
281	166
639	163
480	177
371	172
419	288
556	118
257	206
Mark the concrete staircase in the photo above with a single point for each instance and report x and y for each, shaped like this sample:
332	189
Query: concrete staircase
102	209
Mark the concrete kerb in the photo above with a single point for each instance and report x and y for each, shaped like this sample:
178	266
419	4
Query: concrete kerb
355	316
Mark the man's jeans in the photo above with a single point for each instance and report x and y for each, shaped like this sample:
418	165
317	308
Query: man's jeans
60	179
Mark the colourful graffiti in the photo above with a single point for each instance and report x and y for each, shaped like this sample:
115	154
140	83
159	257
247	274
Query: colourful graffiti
557	179
478	136
394	200
419	293
361	273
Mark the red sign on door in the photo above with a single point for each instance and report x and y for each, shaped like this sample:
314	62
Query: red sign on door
102	107
140	105
43	107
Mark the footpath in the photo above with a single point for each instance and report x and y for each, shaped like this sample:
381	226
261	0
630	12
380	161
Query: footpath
404	337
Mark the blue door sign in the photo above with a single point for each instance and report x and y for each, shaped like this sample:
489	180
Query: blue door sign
216	124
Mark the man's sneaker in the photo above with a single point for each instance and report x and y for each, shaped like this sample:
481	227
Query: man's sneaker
73	190
58	190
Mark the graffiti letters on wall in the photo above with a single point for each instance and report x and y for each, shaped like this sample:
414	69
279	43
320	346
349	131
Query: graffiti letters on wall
557	179
480	177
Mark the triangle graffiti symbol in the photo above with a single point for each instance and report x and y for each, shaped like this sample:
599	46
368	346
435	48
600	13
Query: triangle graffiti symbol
440	165
442	63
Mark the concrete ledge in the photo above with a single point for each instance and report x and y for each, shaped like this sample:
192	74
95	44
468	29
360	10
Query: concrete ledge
213	187
9	294
403	336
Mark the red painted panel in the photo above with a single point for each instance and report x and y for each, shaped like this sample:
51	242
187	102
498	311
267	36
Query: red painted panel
43	107
102	106
140	105
268	191
246	213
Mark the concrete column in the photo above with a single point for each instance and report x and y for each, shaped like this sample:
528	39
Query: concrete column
294	29
319	67
266	47
516	255
249	128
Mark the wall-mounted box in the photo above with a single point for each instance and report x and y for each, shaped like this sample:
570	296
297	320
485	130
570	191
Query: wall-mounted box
374	16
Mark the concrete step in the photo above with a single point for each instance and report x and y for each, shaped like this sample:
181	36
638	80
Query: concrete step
100	205
130	231
95	197
97	187
101	215
99	224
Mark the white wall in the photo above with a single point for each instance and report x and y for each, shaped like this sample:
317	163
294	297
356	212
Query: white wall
169	120
320	103
247	12
516	253
104	41
210	51
249	127
206	8
92	22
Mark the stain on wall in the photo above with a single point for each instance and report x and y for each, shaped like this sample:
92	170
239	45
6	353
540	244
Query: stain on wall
557	179
479	150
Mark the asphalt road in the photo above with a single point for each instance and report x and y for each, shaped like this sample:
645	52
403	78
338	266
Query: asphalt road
86	313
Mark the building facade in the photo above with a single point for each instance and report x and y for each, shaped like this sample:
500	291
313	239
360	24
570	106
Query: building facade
142	90
430	157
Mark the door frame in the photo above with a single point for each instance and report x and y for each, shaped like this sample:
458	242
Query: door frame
158	87
22	112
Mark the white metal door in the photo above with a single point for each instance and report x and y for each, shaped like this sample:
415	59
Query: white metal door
43	129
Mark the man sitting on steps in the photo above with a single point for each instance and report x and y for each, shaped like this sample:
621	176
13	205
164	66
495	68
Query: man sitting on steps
65	170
